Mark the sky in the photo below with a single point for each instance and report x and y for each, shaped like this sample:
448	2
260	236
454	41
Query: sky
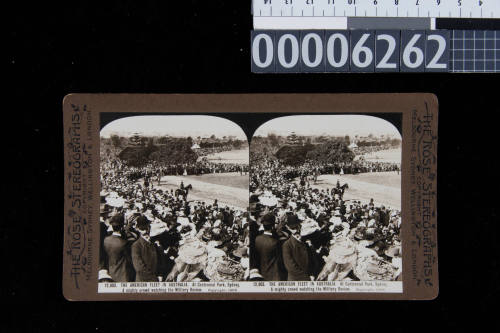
336	125
173	126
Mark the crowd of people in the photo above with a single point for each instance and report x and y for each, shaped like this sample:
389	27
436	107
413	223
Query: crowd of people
155	170
149	234
204	151
354	167
301	233
365	149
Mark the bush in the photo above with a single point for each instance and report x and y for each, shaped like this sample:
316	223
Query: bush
293	155
331	152
336	151
173	151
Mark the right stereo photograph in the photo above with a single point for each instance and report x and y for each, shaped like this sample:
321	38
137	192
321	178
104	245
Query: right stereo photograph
325	198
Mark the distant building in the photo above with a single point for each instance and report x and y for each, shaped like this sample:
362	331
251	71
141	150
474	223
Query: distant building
195	146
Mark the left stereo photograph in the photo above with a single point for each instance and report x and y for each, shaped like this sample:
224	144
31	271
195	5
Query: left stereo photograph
173	199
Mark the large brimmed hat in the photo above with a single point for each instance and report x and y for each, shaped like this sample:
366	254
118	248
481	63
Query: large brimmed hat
214	243
372	267
115	201
343	251
359	233
224	269
240	252
393	251
192	252
158	228
268	200
309	226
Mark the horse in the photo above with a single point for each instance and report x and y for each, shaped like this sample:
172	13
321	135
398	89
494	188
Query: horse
340	189
184	192
343	188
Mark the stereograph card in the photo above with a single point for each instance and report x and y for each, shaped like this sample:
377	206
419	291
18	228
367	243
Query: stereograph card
252	196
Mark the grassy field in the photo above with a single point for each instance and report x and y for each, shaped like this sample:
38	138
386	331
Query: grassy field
383	187
229	189
390	155
226	179
234	156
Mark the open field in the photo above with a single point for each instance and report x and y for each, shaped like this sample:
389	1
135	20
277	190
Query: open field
233	156
230	189
390	155
233	179
383	187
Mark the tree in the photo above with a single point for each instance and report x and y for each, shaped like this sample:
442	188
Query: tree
331	152
293	139
273	139
163	140
293	155
116	141
173	151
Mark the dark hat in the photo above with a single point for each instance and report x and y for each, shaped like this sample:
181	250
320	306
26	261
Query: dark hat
268	219
142	223
254	198
292	221
117	220
105	209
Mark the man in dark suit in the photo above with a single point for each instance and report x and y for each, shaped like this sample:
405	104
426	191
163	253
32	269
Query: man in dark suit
118	252
268	252
297	256
144	255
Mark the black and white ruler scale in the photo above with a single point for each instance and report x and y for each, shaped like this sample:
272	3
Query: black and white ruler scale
375	36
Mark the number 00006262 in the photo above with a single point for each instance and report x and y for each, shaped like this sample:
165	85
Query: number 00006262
349	51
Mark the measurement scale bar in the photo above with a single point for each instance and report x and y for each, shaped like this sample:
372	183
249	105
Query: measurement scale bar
284	23
332	14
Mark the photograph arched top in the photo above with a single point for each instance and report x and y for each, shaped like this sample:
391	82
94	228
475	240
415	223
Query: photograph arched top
329	125
186	138
302	138
175	125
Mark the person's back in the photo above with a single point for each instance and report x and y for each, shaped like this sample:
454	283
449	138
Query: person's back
119	265
296	259
269	257
145	261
